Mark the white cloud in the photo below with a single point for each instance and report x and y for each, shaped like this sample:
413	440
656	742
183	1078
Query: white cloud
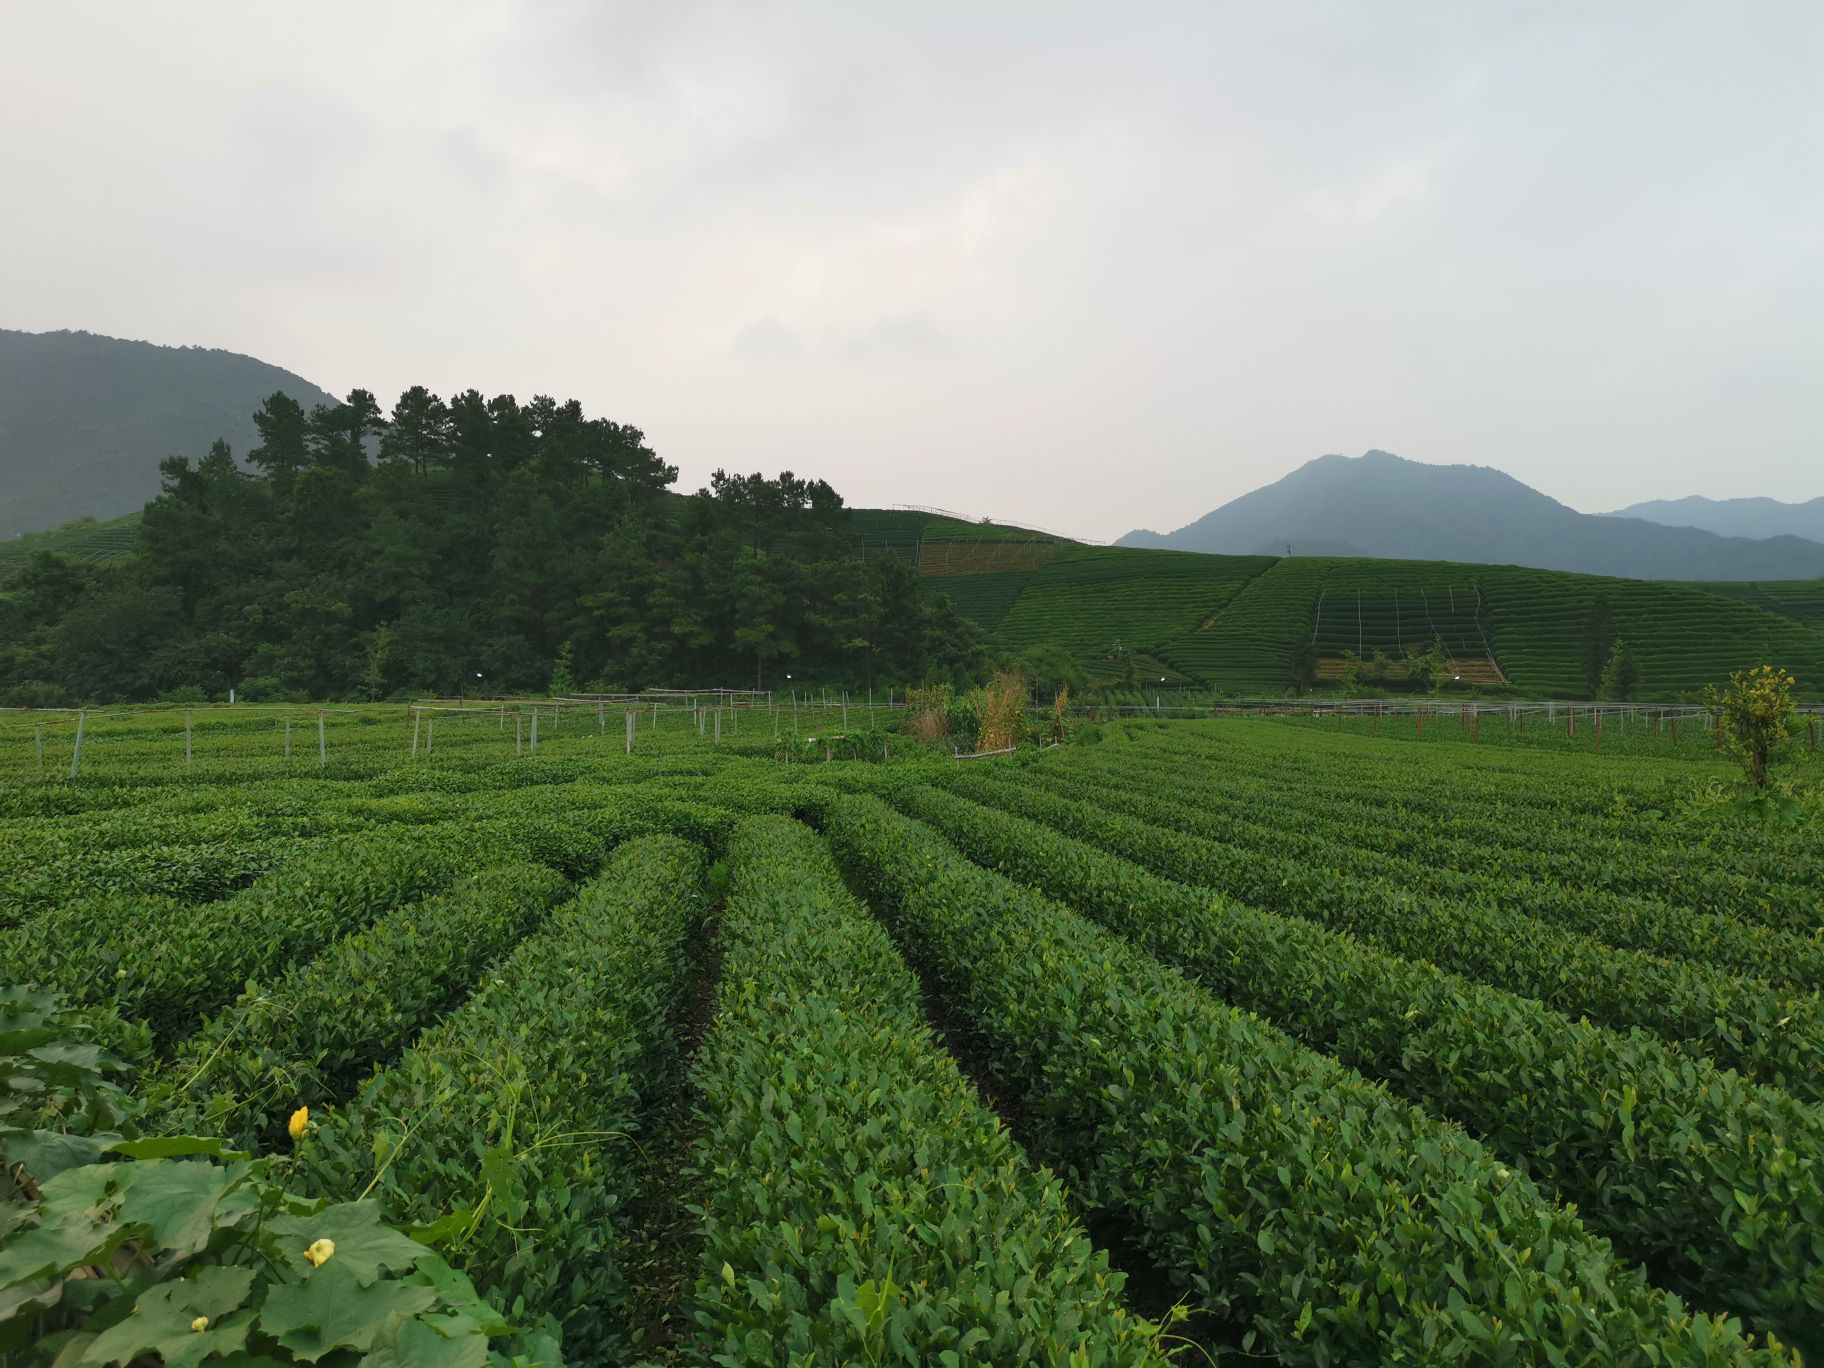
1094	265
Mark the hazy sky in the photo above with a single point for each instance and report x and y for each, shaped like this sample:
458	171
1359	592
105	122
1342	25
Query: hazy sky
1087	266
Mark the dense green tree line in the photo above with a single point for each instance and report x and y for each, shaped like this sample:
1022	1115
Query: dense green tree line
474	545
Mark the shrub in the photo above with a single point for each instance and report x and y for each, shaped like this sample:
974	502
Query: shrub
1754	718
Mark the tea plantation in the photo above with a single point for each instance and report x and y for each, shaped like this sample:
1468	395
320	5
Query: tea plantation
1239	624
1324	1041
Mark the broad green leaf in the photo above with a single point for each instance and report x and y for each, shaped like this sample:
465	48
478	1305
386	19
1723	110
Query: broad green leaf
413	1343
178	1200
364	1247
164	1315
45	1154
332	1310
175	1147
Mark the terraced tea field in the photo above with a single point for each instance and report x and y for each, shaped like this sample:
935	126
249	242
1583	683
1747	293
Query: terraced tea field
1305	1039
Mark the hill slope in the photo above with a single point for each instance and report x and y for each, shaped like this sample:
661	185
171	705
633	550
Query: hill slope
1237	623
85	420
1734	517
1387	506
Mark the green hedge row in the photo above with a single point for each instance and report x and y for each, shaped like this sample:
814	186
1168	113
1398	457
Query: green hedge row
520	1111
1281	1188
1445	814
859	1203
1568	798
1318	835
188	872
1716	1183
165	965
1740	1023
307	1038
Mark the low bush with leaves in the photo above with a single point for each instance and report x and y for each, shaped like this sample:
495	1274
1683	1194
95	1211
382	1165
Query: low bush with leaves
518	1113
1285	1192
117	1250
1688	1167
1776	1036
1624	898
173	964
307	1038
859	1203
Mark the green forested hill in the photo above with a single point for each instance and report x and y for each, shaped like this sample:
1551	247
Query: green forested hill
85	419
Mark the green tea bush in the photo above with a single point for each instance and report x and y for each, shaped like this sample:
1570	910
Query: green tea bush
1714	1181
519	1112
1282	1189
859	1203
1738	1022
306	1038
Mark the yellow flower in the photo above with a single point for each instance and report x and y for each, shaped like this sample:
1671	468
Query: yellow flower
200	1324
300	1122
320	1252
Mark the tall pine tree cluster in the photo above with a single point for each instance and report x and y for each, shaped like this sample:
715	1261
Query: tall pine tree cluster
465	545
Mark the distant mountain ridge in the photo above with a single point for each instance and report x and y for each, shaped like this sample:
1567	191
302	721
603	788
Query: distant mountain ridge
1734	517
1388	506
85	419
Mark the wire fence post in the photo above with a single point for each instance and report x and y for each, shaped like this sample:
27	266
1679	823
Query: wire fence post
534	730
322	744
417	718
188	716
76	758
430	734
518	729
718	738
38	737
601	719
630	716
288	741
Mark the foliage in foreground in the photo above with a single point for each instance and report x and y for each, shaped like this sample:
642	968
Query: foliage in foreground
114	1248
515	1118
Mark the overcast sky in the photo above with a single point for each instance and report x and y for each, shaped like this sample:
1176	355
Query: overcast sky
1086	266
